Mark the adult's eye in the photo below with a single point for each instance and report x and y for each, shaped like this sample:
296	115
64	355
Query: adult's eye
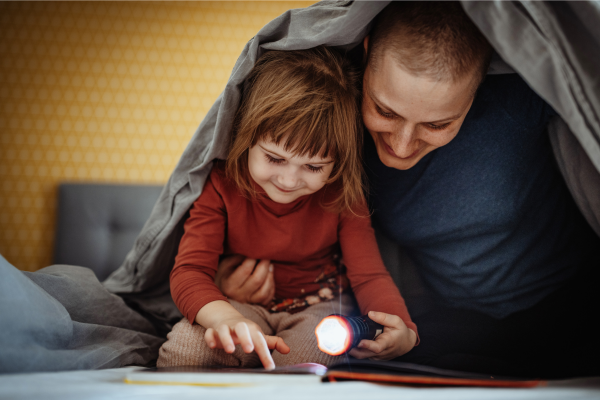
438	127
383	113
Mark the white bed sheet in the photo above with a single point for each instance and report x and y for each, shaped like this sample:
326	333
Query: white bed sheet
104	384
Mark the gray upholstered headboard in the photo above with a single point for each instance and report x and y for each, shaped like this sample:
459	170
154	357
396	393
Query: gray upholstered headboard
98	223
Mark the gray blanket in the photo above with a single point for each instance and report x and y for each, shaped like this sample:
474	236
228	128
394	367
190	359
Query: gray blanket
62	318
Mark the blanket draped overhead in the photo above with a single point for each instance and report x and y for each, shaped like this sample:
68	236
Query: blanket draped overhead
554	46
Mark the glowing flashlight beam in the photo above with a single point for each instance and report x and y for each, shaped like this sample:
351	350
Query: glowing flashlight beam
333	335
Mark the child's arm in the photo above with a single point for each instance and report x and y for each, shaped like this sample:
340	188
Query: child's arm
226	327
192	278
374	289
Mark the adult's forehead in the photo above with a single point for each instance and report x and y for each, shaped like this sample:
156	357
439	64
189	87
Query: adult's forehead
418	98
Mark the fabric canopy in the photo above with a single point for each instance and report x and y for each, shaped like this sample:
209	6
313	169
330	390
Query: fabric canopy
554	46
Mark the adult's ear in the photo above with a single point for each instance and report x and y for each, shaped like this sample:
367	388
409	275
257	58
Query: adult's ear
366	52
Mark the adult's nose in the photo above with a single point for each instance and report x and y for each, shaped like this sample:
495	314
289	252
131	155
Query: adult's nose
402	139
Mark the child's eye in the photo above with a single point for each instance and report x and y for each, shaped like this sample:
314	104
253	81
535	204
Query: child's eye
274	160
438	127
312	168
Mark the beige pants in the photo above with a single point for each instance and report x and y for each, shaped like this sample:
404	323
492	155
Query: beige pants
185	344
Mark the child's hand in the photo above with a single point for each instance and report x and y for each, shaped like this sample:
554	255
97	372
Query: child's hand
395	340
226	327
239	330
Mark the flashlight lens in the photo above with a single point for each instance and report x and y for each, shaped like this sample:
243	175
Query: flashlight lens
333	336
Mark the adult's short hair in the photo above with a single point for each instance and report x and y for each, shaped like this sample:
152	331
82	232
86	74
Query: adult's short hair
435	39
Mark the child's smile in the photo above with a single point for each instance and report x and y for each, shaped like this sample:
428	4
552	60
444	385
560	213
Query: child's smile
285	176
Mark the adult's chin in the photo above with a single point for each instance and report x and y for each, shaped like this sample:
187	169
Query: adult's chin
394	162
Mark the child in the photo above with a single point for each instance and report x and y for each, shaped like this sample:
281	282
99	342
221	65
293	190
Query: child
290	192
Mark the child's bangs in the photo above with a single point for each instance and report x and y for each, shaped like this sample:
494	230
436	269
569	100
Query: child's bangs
308	133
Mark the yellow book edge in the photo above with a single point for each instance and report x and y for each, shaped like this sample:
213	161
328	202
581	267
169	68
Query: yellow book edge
162	383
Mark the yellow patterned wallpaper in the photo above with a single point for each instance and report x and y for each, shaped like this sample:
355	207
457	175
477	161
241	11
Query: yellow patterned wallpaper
107	91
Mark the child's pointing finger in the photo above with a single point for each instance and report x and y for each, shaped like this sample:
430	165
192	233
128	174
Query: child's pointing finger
261	348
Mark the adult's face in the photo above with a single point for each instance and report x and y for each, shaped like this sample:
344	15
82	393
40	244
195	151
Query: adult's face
409	116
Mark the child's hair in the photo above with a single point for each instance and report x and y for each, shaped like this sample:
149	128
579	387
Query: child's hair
310	98
436	39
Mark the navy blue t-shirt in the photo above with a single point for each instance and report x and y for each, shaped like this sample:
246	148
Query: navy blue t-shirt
487	219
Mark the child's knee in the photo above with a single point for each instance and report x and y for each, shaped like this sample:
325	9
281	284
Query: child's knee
303	344
185	346
301	353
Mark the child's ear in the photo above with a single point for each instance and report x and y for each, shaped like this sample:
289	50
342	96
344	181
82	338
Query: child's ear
366	44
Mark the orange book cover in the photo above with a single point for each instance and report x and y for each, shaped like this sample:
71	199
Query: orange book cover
418	375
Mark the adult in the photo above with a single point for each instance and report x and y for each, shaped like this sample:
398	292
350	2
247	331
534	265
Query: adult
462	175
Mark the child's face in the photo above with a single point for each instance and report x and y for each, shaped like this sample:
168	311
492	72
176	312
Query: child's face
285	176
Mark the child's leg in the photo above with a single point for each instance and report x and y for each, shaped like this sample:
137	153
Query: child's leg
185	344
298	331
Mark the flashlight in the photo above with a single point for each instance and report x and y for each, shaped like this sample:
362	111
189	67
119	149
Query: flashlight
336	334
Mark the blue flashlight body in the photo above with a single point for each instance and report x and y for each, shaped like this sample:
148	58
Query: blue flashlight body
362	327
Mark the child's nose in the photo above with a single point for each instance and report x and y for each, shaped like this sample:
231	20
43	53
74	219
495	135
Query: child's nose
288	179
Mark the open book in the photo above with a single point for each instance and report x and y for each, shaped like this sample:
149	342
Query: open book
228	377
352	369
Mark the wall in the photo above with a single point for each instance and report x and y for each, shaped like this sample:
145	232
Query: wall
104	92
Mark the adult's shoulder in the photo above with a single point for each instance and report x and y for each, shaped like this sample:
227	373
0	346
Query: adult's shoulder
516	98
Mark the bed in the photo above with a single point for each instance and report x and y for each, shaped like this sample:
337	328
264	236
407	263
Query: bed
109	384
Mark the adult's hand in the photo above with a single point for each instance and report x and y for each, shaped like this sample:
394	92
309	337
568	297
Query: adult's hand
246	281
396	340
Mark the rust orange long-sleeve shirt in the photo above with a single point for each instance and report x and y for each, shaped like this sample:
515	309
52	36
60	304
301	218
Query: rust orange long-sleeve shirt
298	238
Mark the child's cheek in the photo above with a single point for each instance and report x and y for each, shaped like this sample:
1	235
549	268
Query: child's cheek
264	173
